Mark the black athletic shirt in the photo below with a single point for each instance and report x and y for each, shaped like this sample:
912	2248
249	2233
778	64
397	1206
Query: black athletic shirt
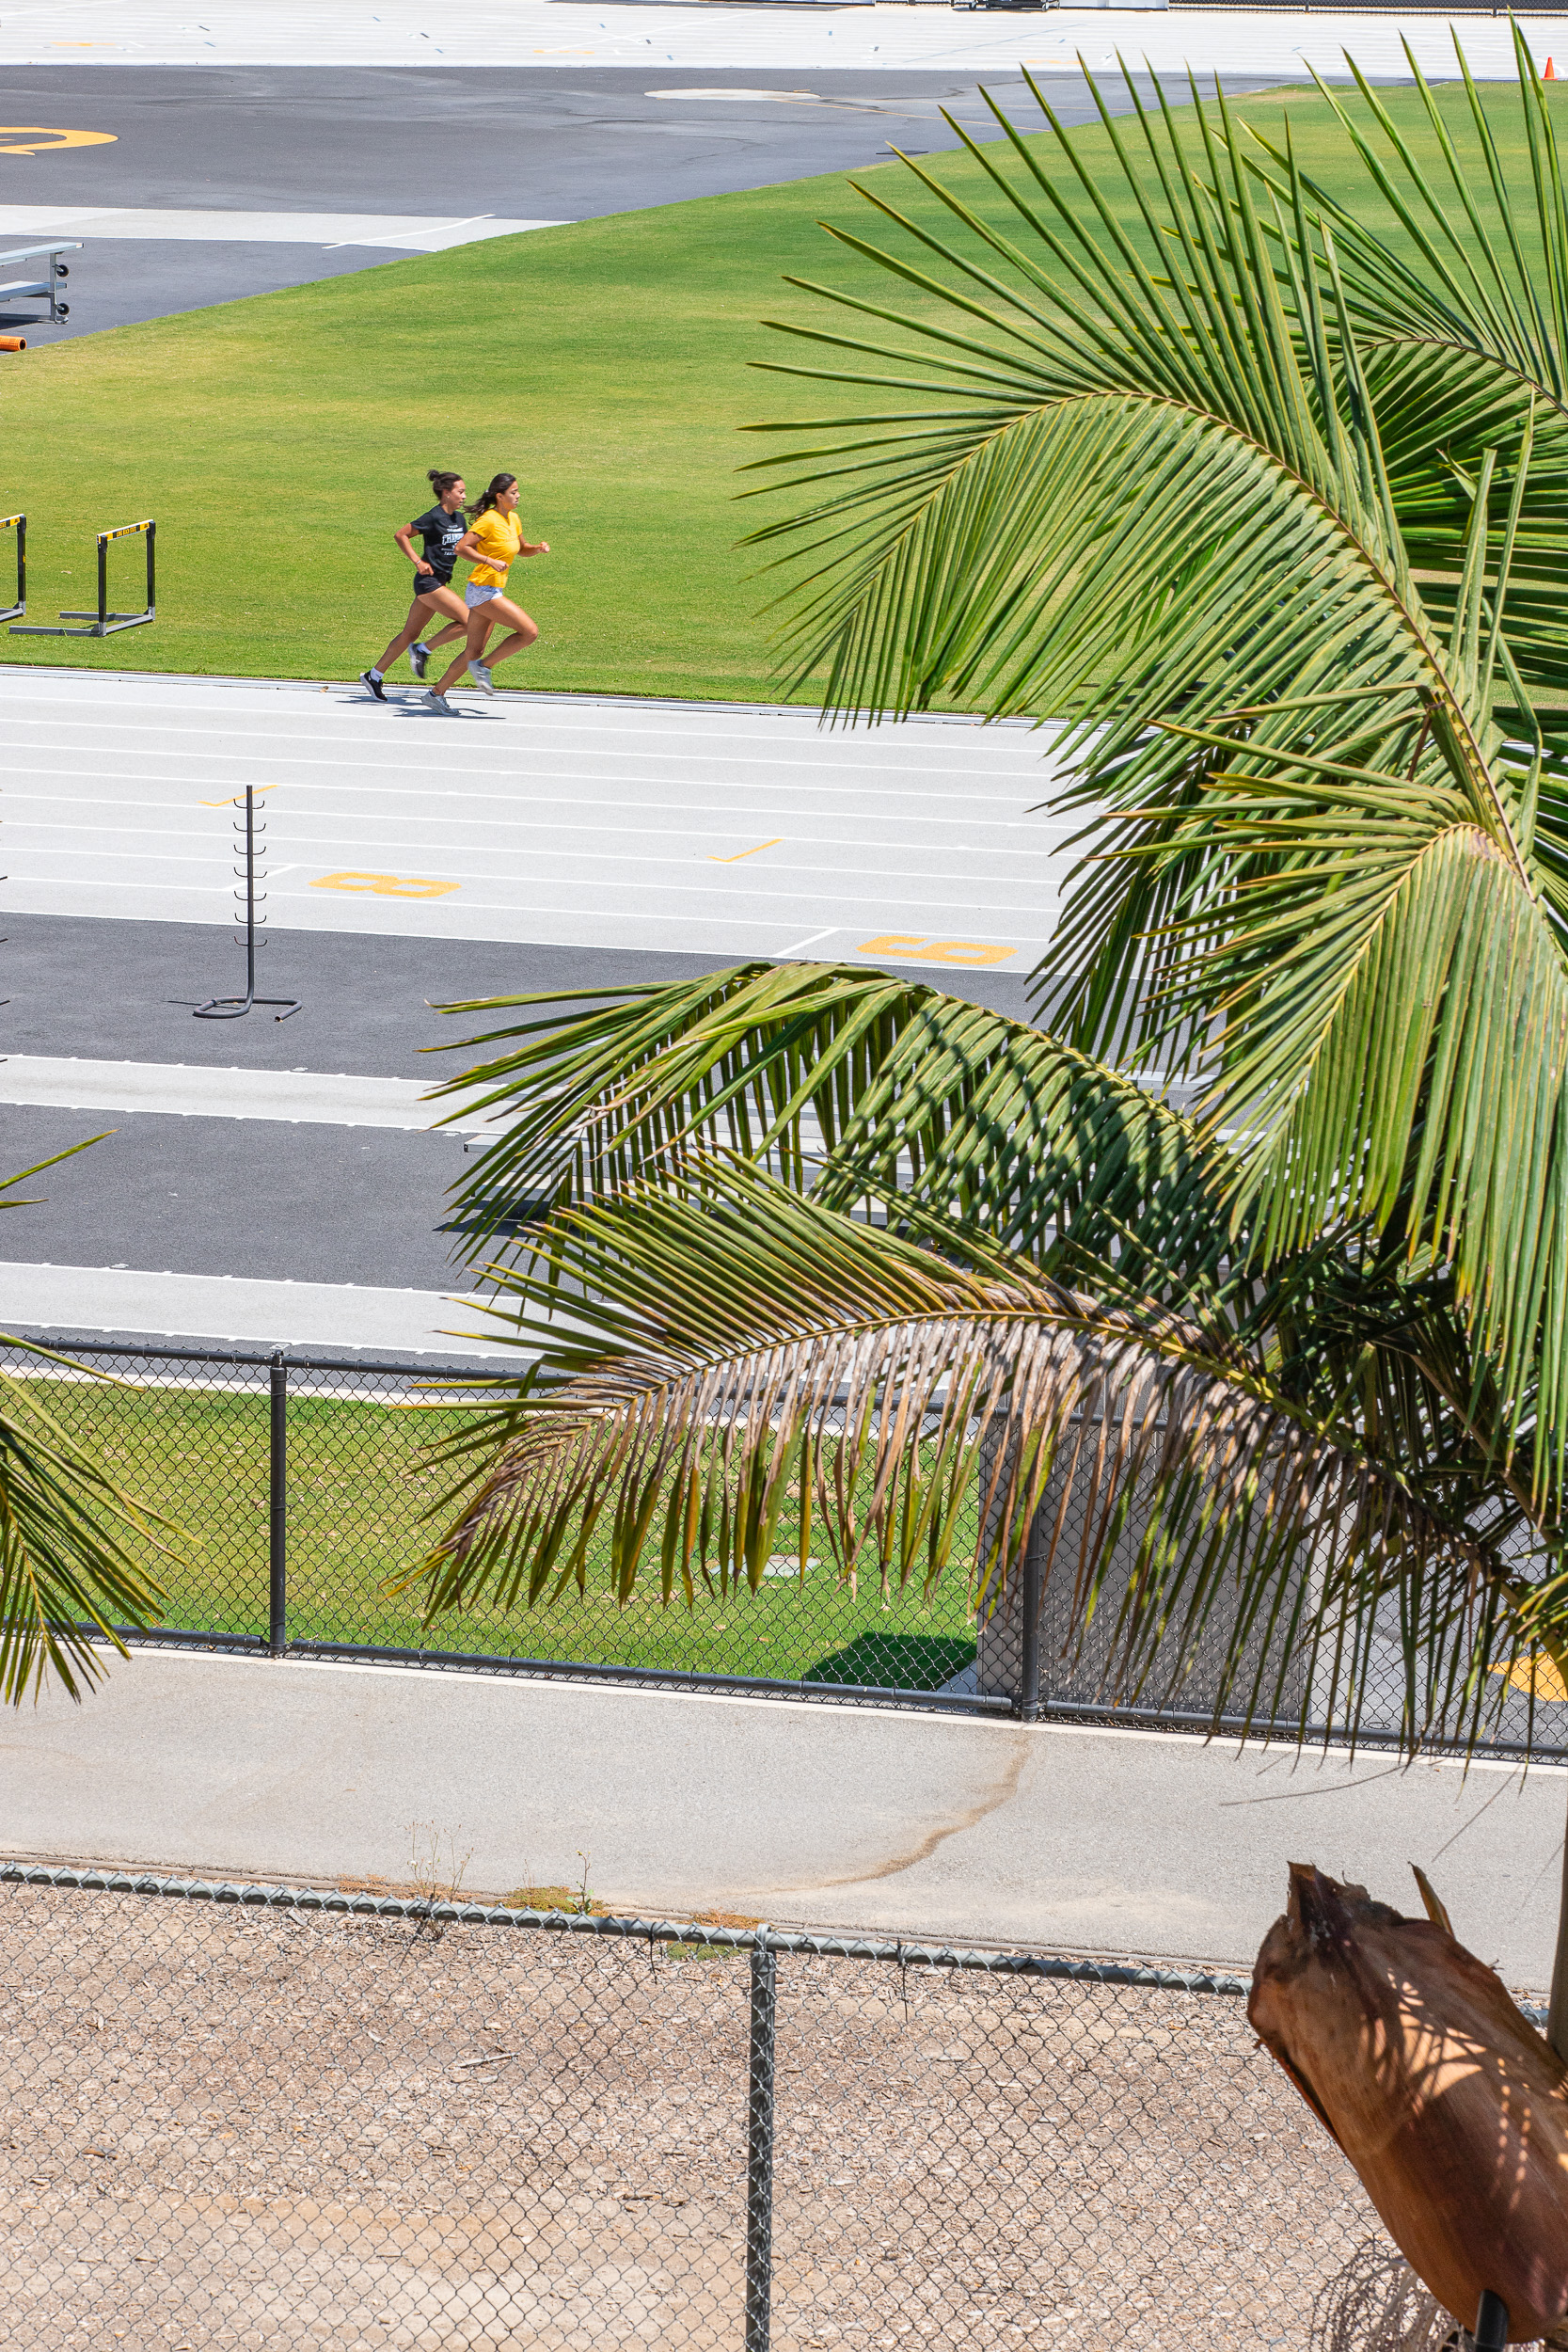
440	533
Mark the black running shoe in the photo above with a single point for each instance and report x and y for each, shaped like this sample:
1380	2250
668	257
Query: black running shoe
375	685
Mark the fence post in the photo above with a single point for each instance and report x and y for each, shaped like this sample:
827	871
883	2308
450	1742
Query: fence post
278	1507
759	2145
1032	1581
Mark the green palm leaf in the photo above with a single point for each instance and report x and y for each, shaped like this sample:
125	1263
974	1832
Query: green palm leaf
839	1079
730	1341
70	1574
1460	337
1324	895
1326	879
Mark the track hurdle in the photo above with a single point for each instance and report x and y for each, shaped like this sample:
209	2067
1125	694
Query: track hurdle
104	622
19	524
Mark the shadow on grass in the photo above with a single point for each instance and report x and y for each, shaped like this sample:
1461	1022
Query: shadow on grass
894	1661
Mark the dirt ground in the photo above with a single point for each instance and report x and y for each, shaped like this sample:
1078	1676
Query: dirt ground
226	2127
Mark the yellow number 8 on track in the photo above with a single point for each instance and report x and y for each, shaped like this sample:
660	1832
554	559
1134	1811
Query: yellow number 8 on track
386	885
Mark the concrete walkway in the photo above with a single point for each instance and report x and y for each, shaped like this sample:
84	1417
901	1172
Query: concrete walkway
1102	1841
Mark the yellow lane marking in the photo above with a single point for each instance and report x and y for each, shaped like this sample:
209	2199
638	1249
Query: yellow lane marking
1541	1675
386	885
44	142
912	946
740	853
236	800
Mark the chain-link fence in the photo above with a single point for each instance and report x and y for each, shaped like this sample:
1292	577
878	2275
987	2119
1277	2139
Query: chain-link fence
263	2116
305	1486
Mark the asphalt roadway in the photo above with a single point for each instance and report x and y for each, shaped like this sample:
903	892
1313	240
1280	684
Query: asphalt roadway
211	1196
930	1827
550	144
241	1195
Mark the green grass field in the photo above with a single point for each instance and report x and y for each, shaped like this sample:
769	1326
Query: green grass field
359	1487
278	440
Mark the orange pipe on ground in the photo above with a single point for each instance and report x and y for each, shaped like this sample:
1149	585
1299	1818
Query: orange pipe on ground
13	343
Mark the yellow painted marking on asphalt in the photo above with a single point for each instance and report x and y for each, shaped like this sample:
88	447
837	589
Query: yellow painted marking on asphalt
46	142
386	885
913	947
236	800
1538	1677
740	853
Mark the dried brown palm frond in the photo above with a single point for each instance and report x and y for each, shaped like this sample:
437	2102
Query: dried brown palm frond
730	1341
1449	2105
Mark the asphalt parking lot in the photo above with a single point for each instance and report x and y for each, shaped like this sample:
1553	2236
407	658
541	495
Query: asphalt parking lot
359	155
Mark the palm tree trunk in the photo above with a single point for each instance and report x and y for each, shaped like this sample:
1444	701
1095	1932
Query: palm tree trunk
1556	2015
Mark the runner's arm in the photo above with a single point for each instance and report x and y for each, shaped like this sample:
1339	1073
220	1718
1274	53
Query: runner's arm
404	538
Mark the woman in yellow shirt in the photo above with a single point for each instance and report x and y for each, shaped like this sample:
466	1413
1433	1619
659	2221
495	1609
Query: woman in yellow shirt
492	544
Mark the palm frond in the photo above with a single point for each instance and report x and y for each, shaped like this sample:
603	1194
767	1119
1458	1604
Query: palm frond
1352	888
8	1184
839	1079
735	1341
70	1574
996	556
1313	1344
1459	341
599	1088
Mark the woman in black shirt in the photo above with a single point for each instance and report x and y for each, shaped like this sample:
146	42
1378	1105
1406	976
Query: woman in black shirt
440	529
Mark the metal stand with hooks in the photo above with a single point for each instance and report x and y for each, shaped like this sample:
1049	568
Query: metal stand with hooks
235	1008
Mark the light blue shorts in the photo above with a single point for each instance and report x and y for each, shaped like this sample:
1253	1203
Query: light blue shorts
473	595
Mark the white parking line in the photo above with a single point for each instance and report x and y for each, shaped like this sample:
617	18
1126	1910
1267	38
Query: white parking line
407	233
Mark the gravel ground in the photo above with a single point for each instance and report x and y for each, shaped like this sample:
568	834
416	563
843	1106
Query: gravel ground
272	2128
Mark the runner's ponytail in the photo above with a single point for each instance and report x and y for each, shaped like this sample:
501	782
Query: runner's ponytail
502	481
441	483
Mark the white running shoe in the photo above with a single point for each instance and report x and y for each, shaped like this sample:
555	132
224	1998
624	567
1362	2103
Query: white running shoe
439	703
418	659
481	676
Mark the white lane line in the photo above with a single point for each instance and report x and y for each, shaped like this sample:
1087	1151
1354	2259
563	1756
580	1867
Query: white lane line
526	807
191	1091
589	894
302	752
233	1308
584	893
339	848
810	940
333	232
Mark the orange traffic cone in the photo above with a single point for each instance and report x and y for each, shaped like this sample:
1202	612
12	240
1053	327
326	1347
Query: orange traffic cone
1550	75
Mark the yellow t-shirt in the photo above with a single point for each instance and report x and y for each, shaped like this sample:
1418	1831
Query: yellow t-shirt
499	537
